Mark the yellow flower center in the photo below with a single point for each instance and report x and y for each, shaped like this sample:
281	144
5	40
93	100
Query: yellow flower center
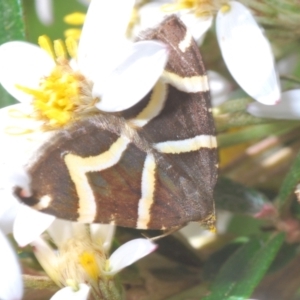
225	8
89	264
64	94
78	260
201	8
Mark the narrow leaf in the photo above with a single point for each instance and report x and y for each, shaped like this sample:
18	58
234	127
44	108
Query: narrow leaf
11	28
236	198
255	132
289	183
5	98
245	268
11	21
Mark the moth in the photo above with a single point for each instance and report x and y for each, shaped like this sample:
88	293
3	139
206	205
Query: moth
153	166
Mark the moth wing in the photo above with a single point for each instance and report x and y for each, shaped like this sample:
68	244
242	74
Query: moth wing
151	167
182	133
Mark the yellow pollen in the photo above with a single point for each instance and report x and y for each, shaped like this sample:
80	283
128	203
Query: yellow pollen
13	130
58	95
134	19
89	264
73	32
45	43
72	46
213	229
225	8
201	8
76	18
59	49
16	113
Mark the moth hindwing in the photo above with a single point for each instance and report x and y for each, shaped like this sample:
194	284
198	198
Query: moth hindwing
153	166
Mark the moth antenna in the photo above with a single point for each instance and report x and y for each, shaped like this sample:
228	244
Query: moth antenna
171	231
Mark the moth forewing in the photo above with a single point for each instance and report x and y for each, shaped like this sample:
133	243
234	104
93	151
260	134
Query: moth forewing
153	166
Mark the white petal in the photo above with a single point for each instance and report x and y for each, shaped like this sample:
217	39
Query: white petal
105	24
29	224
17	128
9	207
68	293
134	78
47	258
129	253
247	53
287	108
198	26
151	14
24	64
11	286
60	231
103	233
44	11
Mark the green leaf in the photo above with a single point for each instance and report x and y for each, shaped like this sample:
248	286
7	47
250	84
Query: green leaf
255	132
217	259
237	198
5	98
11	21
55	30
243	225
238	119
289	184
234	105
245	268
236	298
11	28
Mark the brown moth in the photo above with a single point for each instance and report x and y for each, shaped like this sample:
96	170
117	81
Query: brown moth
153	166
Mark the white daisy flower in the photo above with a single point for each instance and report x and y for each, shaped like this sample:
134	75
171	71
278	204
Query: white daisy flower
81	256
57	91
